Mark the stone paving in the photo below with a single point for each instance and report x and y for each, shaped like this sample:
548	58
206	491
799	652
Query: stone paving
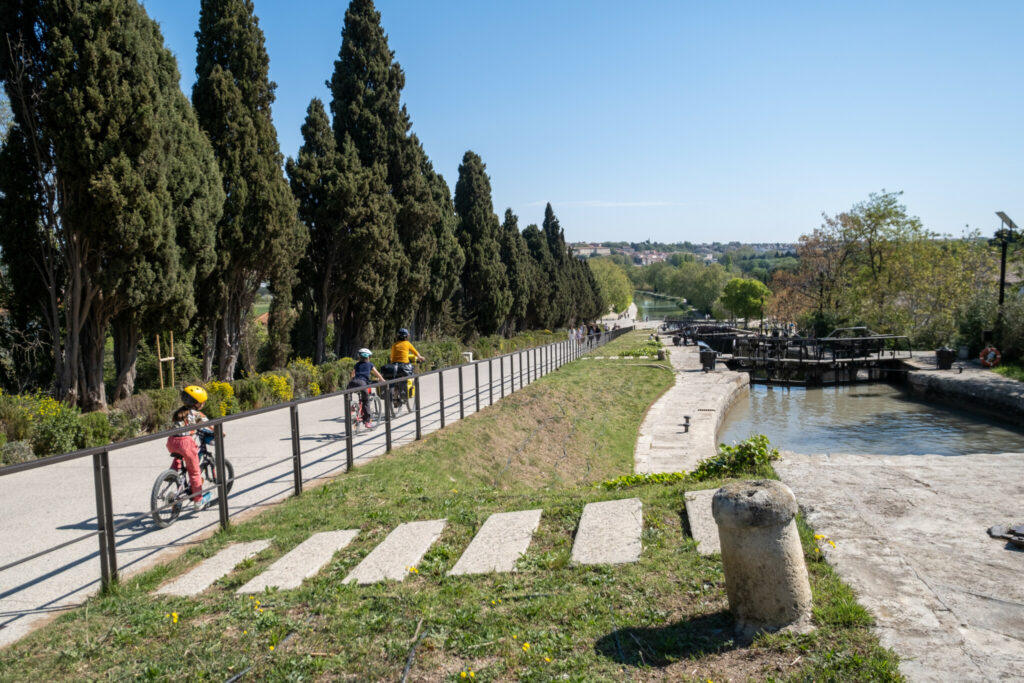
609	533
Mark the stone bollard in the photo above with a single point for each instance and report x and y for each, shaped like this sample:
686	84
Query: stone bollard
765	574
661	354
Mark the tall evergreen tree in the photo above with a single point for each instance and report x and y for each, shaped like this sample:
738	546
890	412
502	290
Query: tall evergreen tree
486	299
563	296
539	312
366	91
89	84
259	237
437	313
515	256
314	179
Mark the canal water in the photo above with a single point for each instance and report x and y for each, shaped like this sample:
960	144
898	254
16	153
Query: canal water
655	307
863	418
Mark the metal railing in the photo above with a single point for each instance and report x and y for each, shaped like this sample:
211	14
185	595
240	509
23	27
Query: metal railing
533	363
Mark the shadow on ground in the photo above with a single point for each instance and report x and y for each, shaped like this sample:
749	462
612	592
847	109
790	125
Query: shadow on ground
659	647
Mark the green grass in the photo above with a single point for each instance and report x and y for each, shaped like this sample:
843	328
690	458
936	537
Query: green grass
545	447
1011	370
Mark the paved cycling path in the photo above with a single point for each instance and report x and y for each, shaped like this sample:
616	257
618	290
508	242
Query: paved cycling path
47	506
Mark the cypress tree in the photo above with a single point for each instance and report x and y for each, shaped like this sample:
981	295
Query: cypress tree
90	85
437	314
562	274
539	312
366	91
259	237
515	256
486	299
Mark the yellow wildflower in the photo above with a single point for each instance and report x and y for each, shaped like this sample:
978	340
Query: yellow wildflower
832	543
547	659
174	617
271	648
526	647
463	674
818	537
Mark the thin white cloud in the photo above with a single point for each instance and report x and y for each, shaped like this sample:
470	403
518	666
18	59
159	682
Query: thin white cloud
603	204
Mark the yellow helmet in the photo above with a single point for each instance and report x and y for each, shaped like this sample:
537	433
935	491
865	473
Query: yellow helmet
193	395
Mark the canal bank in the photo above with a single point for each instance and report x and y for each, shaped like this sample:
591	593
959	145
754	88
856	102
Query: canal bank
910	531
968	386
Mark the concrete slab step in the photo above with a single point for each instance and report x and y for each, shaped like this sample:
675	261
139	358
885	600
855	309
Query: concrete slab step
702	524
301	562
609	533
499	543
209	570
403	548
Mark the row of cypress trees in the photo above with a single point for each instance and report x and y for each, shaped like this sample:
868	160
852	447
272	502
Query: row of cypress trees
126	210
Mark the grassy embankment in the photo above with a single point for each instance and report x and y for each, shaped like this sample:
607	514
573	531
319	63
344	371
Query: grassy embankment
1011	370
544	447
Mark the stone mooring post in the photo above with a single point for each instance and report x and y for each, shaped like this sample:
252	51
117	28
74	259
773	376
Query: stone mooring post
765	574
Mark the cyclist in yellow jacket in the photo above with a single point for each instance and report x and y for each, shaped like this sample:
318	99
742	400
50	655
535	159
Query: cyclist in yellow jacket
402	351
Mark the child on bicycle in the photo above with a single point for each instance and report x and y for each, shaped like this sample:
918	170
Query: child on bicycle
361	375
187	444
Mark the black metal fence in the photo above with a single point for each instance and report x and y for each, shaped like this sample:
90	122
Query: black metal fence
532	363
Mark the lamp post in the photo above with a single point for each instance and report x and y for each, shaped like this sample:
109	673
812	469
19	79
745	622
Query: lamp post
1003	237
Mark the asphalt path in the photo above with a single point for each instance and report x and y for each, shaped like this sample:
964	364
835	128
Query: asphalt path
47	506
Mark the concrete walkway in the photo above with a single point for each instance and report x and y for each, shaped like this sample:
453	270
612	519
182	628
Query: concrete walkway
664	444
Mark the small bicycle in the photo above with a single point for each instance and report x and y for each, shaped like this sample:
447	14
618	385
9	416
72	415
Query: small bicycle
373	404
172	491
403	394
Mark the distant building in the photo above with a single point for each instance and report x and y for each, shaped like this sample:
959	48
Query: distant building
583	250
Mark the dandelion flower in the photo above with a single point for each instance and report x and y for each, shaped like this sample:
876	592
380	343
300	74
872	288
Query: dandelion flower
832	543
547	659
463	674
818	537
817	550
174	617
492	602
526	647
245	633
514	636
472	675
271	648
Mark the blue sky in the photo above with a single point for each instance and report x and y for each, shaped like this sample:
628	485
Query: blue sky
709	121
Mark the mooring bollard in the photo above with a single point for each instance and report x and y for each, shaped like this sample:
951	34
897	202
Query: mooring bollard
765	574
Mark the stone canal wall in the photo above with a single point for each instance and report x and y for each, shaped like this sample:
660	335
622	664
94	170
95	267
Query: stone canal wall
968	386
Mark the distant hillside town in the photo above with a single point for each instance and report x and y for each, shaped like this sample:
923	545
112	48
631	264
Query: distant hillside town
646	253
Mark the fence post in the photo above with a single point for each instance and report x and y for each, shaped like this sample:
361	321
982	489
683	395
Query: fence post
416	388
462	407
296	451
388	412
104	518
501	363
476	374
348	433
222	479
440	385
490	381
521	385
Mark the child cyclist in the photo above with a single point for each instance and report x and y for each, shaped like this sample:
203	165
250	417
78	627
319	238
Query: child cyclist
361	375
187	444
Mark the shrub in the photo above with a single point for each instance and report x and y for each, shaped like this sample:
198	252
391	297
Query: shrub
14	452
94	430
15	420
252	393
747	458
333	375
123	425
221	399
162	404
304	377
280	386
55	427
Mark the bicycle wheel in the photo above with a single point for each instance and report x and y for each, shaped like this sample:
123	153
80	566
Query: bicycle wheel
375	407
208	468
167	498
410	397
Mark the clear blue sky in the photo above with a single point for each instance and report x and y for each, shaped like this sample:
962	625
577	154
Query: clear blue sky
674	120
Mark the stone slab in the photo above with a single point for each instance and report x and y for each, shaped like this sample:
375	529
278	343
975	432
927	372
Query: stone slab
209	570
911	540
301	562
403	548
502	539
609	532
702	524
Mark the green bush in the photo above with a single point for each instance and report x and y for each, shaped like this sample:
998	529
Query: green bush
305	379
221	400
334	375
55	427
94	430
747	458
15	419
14	452
252	393
123	425
160	409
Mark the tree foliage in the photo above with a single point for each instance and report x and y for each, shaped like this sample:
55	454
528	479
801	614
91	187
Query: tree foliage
615	287
744	297
259	237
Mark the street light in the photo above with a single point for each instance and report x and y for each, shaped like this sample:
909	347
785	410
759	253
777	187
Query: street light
1004	236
